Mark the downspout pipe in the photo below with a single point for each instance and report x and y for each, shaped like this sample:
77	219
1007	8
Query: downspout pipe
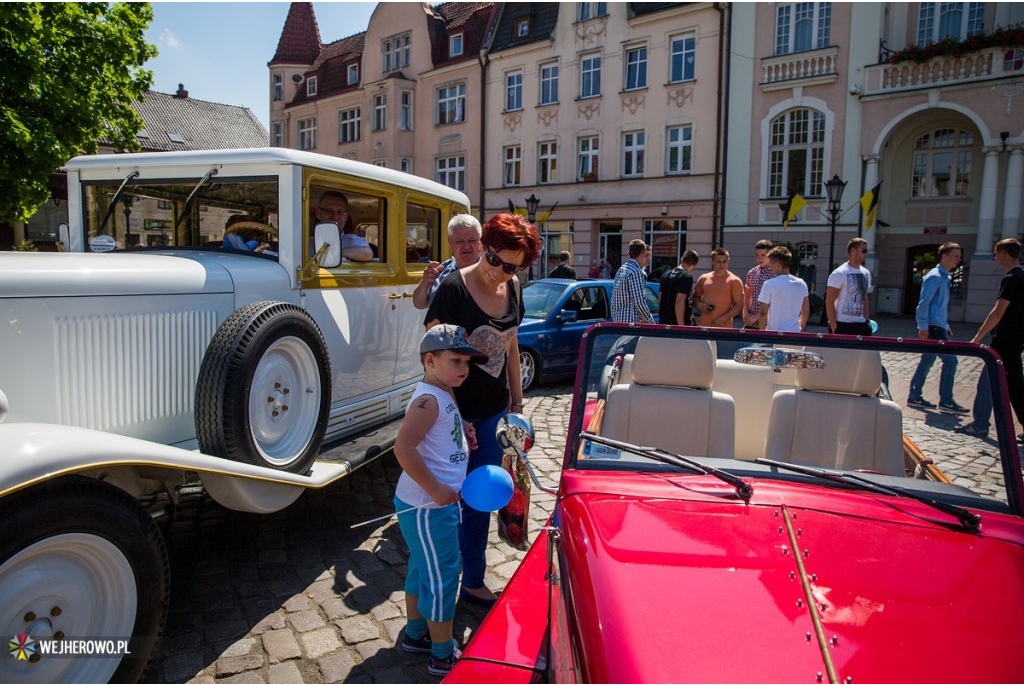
721	139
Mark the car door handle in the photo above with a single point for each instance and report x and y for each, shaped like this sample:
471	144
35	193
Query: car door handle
394	296
408	295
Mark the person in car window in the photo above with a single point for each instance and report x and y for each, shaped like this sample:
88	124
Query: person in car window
333	207
464	242
563	270
485	298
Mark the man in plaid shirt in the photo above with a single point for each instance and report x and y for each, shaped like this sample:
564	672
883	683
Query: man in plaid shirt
628	303
756	277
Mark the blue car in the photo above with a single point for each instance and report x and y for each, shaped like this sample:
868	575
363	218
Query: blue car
557	312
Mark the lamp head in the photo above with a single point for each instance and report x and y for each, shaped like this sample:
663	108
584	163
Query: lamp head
834	189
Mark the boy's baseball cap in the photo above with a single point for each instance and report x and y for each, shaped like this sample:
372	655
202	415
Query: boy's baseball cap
447	336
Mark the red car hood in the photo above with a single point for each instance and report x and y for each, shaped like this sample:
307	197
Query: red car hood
682	583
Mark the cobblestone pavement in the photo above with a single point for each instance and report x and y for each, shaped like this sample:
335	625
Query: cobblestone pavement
300	596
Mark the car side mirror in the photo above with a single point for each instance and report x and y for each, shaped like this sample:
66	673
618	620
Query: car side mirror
328	234
568	316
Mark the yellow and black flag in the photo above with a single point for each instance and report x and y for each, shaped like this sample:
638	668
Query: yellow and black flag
869	203
792	206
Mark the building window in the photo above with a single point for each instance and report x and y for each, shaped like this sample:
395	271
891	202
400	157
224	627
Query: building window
353	74
350	125
590	76
633	153
396	52
667	241
942	163
405	164
522	27
451	104
636	68
277	134
451	171
1013	60
513	165
796	155
513	91
548	84
311	86
455	45
380	112
163	204
590	10
679	140
383	163
405	111
589	150
938	20
807	254
802	26
277	92
307	133
682	56
547	156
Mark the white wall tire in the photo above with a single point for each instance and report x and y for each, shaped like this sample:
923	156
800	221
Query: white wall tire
80	559
263	393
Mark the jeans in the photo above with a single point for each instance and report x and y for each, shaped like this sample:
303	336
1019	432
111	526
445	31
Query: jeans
982	409
949	362
1010	351
476	524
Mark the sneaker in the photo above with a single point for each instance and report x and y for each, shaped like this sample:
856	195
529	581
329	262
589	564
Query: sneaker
920	402
952	408
420	644
443	667
971	429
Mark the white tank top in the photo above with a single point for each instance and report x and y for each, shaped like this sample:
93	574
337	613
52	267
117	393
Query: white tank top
444	448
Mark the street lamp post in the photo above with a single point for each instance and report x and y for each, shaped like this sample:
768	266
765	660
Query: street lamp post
532	203
834	189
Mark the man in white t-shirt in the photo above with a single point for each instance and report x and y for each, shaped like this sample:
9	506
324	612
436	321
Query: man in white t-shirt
783	298
846	298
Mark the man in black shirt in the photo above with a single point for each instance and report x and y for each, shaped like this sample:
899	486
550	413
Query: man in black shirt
1006	322
563	270
674	294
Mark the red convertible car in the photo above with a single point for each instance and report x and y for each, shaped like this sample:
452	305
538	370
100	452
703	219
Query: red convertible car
752	507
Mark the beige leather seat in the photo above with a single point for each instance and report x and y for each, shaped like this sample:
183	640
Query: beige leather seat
669	402
833	418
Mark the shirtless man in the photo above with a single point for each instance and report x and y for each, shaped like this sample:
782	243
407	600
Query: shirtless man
719	294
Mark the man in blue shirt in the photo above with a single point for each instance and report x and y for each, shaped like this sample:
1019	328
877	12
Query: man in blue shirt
933	324
628	303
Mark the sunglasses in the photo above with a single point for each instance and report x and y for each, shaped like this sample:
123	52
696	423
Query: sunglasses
495	260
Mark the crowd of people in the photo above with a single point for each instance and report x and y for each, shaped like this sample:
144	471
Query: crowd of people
473	308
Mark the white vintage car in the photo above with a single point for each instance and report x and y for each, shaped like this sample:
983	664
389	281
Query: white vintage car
204	322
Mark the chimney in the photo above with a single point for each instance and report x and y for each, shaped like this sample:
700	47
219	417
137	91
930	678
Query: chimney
182	93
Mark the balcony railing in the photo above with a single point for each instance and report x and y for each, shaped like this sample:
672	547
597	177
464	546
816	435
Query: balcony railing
982	65
816	66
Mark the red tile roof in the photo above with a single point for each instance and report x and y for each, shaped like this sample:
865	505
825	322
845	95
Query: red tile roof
300	38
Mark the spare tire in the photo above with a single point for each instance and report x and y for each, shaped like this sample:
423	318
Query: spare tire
264	389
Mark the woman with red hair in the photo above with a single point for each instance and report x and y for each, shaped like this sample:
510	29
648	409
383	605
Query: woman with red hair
486	299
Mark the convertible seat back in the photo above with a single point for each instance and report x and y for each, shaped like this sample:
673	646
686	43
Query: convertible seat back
670	403
834	419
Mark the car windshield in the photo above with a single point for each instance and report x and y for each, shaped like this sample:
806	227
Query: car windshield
540	297
800	407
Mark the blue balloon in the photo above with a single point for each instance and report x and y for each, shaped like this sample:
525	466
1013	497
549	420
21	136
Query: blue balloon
487	488
874	325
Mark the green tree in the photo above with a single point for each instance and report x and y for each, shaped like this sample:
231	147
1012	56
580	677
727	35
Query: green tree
69	73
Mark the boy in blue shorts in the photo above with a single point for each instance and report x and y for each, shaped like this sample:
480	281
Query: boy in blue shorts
432	448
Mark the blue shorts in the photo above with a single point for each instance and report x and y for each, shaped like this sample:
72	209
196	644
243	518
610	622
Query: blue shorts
432	536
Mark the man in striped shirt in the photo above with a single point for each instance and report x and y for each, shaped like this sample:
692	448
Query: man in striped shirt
628	303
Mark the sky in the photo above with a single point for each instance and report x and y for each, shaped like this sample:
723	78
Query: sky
219	50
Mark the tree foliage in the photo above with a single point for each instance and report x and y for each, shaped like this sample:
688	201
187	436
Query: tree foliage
69	73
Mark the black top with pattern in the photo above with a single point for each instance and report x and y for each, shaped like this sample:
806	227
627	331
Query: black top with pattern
485	391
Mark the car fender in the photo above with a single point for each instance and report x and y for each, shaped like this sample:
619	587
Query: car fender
31	453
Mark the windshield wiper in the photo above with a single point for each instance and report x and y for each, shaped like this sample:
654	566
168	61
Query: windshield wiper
967	519
743	488
114	200
192	196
